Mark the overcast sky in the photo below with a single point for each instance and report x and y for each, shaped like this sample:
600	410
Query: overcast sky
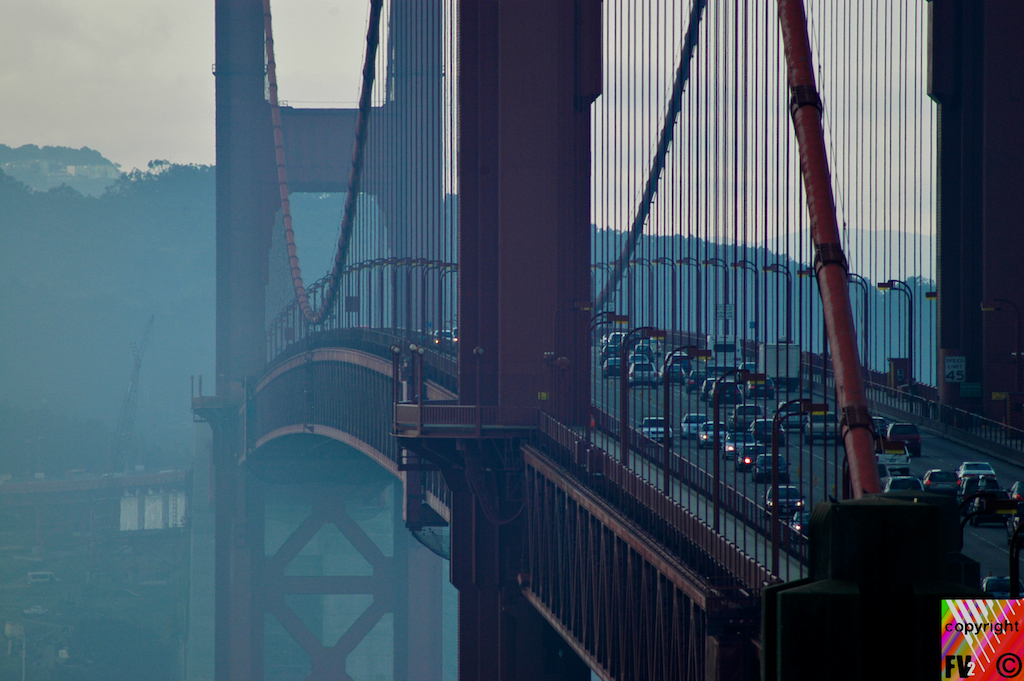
133	80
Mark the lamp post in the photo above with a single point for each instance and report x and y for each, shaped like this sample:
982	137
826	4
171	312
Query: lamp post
903	287
675	291
805	407
779	269
666	404
694	263
446	269
750	267
716	503
603	317
627	343
990	307
718	262
863	283
644	262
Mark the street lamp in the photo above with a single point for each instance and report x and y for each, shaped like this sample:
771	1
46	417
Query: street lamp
644	262
446	269
627	343
805	406
718	262
666	403
990	307
693	262
863	283
675	291
903	287
779	269
750	267
716	455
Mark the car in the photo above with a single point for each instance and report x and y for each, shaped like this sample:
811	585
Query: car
743	415
654	428
791	421
899	483
729	393
799	524
908	434
740	446
689	427
706	434
35	610
974	469
1017	491
760	388
970	486
939	481
881	425
790	501
694	380
761	429
763	469
999	587
643	373
612	367
821	424
978	506
677	371
705	388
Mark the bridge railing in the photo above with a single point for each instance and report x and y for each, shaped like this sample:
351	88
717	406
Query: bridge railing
711	555
919	404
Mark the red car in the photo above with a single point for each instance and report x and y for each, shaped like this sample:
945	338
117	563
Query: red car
906	433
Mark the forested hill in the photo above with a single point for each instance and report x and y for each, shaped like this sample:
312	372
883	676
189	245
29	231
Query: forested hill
79	278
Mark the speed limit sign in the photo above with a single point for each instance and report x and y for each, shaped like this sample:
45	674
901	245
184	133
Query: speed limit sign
955	369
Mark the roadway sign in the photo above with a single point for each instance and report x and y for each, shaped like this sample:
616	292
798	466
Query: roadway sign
970	390
955	369
725	311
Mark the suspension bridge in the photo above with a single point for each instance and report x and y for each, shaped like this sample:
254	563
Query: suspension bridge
540	199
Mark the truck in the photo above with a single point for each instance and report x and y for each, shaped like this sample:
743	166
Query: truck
781	363
723	356
894	455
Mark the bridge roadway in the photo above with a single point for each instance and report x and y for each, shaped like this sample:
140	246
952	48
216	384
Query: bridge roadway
986	544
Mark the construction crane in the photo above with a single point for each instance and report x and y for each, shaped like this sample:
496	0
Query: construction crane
126	420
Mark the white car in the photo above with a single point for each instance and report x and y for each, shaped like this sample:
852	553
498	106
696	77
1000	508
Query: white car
35	610
690	425
706	434
974	469
654	428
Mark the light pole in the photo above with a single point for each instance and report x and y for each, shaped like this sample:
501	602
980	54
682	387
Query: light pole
750	267
666	404
446	269
863	283
627	343
603	317
718	262
675	291
805	407
903	287
716	455
990	307
779	269
698	300
644	262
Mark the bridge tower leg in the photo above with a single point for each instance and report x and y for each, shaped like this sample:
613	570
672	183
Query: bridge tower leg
975	76
529	71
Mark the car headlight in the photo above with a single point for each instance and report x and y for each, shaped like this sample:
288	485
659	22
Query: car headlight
800	503
730	448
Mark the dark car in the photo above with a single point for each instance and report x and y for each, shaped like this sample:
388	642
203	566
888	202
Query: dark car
908	434
939	481
763	469
978	506
790	501
677	371
999	587
612	367
799	525
761	429
743	415
729	393
694	380
969	486
760	388
743	448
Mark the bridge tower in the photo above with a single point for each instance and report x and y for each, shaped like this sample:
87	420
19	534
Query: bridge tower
976	76
250	585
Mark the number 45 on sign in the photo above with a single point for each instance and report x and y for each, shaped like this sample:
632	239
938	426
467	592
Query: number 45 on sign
955	369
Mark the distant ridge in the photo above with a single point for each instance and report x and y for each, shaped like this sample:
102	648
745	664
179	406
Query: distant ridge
43	168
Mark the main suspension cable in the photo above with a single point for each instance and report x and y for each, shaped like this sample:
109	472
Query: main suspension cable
355	174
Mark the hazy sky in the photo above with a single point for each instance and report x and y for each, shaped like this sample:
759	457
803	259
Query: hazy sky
134	81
